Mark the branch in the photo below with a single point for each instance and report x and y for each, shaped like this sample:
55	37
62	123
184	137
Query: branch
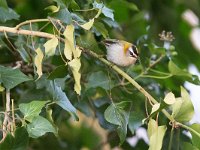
26	32
114	67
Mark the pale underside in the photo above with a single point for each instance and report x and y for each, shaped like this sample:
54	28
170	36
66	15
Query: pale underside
115	54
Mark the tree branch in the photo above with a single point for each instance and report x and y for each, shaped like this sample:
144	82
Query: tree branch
114	67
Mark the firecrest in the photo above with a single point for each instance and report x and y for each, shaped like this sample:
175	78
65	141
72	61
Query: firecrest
120	52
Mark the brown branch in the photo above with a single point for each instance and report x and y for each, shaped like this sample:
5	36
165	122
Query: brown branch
26	32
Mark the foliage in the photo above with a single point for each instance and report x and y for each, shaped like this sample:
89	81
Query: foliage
53	69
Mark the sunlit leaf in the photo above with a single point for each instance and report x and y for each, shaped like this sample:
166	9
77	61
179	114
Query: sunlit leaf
88	24
12	77
156	134
50	46
69	42
2	88
39	126
38	61
77	52
32	109
155	108
75	66
182	109
170	99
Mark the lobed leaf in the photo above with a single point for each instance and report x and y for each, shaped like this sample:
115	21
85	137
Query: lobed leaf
118	114
32	109
12	77
195	139
182	109
156	134
98	79
60	98
39	126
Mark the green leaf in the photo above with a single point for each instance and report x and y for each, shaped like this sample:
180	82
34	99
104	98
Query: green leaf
195	139
59	72
61	99
118	114
53	8
182	109
99	79
135	121
175	70
75	66
105	10
50	46
39	126
18	142
74	5
24	54
3	4
7	143
189	146
63	15
100	29
7	14
156	134
32	109
11	77
21	139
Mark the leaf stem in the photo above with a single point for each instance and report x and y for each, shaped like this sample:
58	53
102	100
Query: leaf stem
156	77
188	128
171	138
30	21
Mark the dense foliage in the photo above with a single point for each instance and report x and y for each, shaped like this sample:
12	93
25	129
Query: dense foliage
59	92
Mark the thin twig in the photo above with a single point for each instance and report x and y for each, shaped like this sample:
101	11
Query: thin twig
13	117
30	21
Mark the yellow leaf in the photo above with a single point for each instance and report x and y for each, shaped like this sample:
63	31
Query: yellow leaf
38	61
75	65
50	46
88	25
69	42
77	52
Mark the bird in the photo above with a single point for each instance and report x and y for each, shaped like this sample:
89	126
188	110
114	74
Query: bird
121	53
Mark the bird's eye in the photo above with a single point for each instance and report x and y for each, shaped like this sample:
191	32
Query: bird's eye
131	53
134	48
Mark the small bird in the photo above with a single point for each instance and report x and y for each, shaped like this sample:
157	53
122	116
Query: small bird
120	52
